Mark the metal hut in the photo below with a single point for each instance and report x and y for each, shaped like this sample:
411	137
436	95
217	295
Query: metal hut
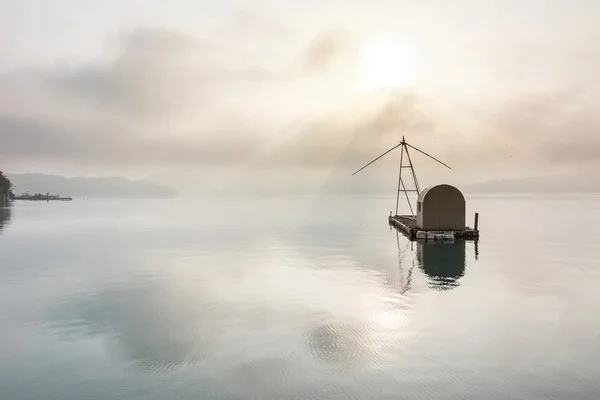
441	208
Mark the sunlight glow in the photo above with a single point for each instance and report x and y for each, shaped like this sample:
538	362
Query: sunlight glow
386	66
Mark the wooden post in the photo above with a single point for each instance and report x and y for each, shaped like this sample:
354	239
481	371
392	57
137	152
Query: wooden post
476	221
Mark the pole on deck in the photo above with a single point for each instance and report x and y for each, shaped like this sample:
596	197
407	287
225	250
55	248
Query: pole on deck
476	221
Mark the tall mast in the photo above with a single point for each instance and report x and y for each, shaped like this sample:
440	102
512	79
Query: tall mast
401	186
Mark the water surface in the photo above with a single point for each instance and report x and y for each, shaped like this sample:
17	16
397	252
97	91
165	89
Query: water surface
297	298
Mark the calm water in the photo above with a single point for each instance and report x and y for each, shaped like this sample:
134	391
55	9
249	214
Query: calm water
292	299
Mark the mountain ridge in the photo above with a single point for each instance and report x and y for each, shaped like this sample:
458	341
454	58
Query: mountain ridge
567	183
95	187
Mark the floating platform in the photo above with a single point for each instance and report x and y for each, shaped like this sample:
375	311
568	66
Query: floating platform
407	225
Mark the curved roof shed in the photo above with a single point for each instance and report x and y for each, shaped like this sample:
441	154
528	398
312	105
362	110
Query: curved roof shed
441	208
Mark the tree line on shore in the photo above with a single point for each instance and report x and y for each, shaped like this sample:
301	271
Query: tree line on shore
6	190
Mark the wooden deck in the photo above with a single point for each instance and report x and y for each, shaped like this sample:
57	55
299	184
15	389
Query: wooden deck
407	225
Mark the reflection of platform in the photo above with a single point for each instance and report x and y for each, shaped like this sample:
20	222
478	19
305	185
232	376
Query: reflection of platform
442	263
407	225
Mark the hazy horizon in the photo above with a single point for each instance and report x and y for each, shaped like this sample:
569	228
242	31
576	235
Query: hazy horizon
120	187
207	93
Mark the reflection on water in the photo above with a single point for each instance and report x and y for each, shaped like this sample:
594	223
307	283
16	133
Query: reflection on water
4	217
405	267
367	339
153	300
154	324
345	317
442	262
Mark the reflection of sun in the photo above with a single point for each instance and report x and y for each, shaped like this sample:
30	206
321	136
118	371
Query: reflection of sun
385	66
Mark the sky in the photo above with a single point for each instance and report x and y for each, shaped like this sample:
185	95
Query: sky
283	94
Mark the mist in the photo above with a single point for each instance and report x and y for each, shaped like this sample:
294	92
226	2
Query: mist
271	102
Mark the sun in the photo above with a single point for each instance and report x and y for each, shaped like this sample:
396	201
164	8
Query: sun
386	66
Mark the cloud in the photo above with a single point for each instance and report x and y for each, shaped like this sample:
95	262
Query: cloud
550	126
156	97
248	22
358	132
154	74
164	97
89	146
325	49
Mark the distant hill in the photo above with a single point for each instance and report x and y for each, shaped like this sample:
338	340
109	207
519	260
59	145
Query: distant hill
579	183
112	187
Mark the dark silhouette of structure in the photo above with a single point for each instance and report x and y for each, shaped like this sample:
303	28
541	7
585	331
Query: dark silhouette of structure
443	263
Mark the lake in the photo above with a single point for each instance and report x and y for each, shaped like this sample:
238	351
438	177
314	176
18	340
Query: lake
306	297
